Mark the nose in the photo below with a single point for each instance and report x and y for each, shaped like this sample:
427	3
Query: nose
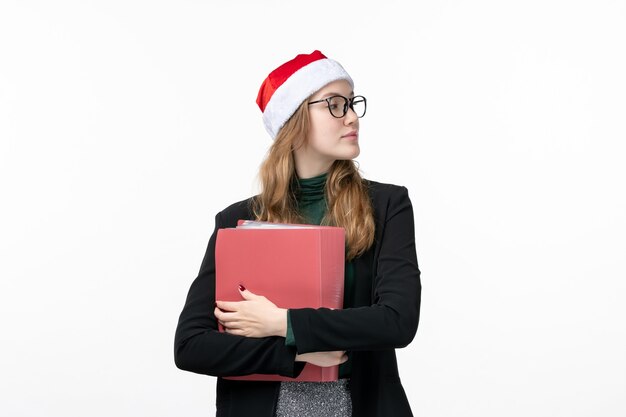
350	117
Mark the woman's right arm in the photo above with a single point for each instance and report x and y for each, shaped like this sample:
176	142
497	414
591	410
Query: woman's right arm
199	347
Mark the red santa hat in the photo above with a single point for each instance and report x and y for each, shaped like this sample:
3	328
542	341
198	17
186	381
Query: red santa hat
289	85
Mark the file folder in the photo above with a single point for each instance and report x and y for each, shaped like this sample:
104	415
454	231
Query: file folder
293	265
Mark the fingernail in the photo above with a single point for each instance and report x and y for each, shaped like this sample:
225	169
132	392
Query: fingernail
241	288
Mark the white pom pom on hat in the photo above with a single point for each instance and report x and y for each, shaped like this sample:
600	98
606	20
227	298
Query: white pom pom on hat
289	85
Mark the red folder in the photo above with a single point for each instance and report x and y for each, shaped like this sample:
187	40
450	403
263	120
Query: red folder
294	266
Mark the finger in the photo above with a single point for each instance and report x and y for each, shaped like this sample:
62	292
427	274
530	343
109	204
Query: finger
218	313
225	316
232	325
236	332
246	294
230	306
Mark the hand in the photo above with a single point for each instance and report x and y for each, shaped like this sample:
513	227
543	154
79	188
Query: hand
323	359
256	316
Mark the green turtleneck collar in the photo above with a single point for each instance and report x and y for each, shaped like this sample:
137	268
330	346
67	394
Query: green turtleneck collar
311	189
310	195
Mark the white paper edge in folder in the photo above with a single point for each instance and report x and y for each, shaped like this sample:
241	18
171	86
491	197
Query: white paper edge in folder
254	224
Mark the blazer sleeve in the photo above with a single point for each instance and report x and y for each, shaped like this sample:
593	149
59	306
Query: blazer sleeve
391	320
199	347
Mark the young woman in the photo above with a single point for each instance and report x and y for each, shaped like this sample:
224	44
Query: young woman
310	110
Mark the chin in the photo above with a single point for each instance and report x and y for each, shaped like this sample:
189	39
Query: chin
350	153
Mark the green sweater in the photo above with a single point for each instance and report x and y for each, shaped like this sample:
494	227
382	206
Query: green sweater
312	206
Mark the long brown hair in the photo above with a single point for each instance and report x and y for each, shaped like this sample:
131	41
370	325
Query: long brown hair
349	204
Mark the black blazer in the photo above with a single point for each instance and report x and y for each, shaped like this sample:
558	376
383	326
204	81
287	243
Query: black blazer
385	317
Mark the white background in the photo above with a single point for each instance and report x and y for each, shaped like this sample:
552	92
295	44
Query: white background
126	125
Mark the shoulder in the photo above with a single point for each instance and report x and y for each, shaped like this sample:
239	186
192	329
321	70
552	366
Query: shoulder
380	191
388	200
241	210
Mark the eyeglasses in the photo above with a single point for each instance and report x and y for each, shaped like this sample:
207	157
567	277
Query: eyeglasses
338	105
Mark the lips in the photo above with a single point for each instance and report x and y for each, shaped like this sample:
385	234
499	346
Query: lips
354	134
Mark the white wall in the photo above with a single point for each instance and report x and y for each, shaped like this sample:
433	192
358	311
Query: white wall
126	125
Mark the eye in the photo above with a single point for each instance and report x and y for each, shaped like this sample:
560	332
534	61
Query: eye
336	103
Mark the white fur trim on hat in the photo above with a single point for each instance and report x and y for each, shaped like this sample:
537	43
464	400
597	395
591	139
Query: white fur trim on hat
300	85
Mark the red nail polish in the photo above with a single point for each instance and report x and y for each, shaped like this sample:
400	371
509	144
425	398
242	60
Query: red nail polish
241	288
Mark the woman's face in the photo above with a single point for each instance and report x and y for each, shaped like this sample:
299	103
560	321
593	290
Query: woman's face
329	138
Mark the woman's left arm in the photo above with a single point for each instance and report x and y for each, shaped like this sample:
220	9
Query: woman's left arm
392	319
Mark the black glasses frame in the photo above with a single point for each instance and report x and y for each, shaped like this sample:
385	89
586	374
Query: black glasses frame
348	103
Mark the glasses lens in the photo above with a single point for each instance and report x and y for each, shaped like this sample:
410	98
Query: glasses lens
359	105
337	106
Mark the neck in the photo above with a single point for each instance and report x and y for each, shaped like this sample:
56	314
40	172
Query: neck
309	168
